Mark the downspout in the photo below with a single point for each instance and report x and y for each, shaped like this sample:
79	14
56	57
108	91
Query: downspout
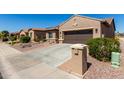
101	30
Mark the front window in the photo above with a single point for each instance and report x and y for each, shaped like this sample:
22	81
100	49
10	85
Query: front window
50	35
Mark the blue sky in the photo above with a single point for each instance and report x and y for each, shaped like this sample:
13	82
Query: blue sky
15	22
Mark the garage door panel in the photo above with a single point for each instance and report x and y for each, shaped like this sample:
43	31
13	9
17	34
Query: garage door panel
76	37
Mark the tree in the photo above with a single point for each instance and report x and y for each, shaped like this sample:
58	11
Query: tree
12	38
5	33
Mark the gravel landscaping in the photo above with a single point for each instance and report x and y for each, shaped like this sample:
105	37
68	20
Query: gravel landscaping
32	46
103	70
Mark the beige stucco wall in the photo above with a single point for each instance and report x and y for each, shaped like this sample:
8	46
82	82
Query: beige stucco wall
22	33
32	37
108	31
54	36
47	35
40	34
37	35
79	23
43	35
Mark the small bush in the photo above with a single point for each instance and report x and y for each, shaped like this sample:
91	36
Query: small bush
24	39
101	48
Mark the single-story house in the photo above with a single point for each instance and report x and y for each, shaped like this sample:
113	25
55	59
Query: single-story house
50	34
77	29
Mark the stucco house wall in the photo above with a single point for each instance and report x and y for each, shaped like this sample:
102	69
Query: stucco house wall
23	33
43	34
108	30
31	35
35	35
79	23
55	35
100	28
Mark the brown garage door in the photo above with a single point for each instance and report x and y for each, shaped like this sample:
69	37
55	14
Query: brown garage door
80	36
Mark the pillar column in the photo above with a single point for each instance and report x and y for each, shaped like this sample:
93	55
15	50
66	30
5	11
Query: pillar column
53	39
61	37
77	65
47	36
79	58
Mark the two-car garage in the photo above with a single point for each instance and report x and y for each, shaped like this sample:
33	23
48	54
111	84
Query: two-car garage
77	36
79	29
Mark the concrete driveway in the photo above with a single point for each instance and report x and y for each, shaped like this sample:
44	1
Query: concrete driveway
53	56
39	63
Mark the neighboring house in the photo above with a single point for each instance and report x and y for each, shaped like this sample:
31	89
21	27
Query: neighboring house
77	29
37	33
24	32
17	34
50	34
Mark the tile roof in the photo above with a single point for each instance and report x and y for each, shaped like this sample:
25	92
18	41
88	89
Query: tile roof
24	30
39	29
101	20
44	29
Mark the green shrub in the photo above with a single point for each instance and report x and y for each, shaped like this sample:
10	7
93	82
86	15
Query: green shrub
101	48
24	39
5	33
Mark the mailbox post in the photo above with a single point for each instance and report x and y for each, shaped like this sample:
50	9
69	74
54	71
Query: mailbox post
77	64
79	58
